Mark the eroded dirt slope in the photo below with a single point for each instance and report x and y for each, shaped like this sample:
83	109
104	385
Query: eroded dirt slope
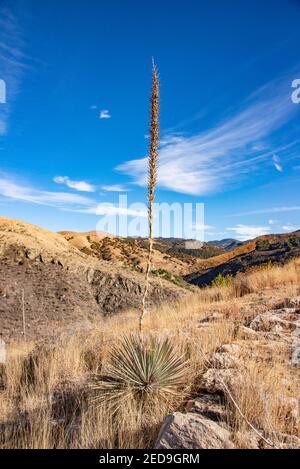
61	284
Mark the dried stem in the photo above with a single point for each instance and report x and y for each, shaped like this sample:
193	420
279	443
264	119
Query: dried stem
23	314
152	161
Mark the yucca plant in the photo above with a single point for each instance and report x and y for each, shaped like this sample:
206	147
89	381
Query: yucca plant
142	369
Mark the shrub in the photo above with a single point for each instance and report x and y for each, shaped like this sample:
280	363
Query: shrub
141	369
293	241
262	245
222	280
166	275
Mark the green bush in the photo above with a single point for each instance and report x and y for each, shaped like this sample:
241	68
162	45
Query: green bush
262	245
161	273
222	280
294	241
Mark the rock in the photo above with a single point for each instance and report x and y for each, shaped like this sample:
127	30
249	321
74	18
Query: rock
287	441
223	361
296	334
211	318
90	275
2	351
30	254
295	359
209	406
192	431
278	338
289	314
247	440
291	302
232	349
271	323
290	408
212	380
248	333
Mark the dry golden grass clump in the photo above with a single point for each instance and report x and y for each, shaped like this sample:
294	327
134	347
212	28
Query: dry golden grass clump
267	394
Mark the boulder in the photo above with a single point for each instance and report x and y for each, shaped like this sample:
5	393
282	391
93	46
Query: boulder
291	302
249	334
270	322
192	431
209	406
290	406
295	355
223	361
232	349
247	440
286	441
212	380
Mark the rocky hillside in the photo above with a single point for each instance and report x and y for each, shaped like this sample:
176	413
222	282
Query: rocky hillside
176	256
56	282
127	252
187	250
276	249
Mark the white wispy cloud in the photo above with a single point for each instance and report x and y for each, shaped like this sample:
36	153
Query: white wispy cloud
245	232
110	209
84	186
13	62
12	188
105	114
278	167
290	227
288	208
202	226
277	163
115	188
81	186
223	155
15	190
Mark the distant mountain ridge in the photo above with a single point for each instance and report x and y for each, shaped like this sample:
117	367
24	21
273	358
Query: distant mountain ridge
227	243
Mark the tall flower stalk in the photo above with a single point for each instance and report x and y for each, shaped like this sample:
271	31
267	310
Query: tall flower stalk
152	177
142	367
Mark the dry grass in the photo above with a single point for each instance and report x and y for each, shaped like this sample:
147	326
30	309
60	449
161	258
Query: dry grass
267	393
45	399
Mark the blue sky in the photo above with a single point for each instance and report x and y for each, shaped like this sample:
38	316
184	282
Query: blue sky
73	131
